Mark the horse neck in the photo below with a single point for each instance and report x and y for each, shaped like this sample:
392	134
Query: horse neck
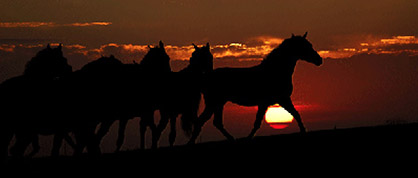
155	67
282	63
190	69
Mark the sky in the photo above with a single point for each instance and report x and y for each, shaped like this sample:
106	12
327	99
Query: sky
370	48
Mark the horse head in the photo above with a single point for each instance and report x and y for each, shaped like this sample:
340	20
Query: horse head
202	59
156	60
48	62
302	49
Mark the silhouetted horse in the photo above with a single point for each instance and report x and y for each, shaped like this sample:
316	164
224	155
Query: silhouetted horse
103	91
262	85
72	103
18	93
184	98
145	81
157	77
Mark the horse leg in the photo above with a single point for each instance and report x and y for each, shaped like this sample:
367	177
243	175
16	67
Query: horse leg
147	119
35	146
218	122
258	120
161	125
69	140
9	136
121	133
84	136
142	130
22	142
289	107
172	136
188	118
57	144
93	144
203	118
104	128
153	129
81	142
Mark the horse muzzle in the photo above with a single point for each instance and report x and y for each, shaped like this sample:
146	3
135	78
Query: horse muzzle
318	62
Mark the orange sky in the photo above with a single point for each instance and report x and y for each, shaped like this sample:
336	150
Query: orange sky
179	22
370	48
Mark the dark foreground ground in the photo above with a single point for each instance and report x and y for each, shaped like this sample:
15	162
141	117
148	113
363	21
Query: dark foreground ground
379	148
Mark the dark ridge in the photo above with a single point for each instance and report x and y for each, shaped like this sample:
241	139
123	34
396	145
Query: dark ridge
377	145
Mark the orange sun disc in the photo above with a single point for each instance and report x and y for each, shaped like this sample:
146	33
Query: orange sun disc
277	117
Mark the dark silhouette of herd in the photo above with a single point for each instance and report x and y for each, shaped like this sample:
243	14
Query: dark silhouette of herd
50	99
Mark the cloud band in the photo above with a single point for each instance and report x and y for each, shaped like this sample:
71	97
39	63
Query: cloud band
50	24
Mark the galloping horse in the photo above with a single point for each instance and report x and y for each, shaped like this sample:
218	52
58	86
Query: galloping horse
184	99
102	91
21	98
159	93
138	89
263	85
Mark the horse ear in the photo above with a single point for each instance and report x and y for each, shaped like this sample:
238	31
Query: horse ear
60	46
149	47
48	46
293	35
207	45
306	34
161	44
195	47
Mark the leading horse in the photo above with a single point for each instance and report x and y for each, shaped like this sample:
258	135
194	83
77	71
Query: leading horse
263	85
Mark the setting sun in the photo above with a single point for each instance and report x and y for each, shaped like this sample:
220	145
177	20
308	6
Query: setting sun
277	117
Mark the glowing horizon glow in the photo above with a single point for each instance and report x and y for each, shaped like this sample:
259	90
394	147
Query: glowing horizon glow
277	117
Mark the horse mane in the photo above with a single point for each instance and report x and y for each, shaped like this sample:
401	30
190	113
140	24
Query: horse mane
273	55
286	52
48	63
